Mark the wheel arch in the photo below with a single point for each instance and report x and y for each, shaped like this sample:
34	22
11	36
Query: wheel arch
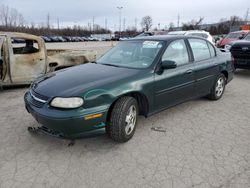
225	74
141	99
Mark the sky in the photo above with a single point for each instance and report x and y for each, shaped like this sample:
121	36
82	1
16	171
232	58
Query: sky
81	12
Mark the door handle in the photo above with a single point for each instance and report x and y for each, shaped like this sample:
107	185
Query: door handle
189	71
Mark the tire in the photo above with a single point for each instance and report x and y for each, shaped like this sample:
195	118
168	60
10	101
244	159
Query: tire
218	88
123	120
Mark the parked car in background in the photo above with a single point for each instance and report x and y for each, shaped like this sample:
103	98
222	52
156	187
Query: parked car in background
197	33
230	38
46	39
241	53
140	76
152	33
22	63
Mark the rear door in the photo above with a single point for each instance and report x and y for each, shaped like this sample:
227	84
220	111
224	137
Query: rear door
176	85
27	59
205	65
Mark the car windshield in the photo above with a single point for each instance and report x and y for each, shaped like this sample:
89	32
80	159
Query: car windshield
132	54
247	37
233	35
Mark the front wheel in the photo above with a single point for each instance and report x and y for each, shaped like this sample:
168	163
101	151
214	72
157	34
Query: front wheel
123	120
218	88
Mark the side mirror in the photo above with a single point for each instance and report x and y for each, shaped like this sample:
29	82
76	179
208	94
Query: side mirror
1	61
241	37
167	64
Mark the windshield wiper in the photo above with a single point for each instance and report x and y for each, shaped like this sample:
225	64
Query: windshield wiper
108	64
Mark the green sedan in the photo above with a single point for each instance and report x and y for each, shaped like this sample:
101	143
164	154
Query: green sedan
141	76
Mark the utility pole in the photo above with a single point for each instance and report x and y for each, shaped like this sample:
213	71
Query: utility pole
124	24
106	24
48	20
178	20
247	14
120	19
93	22
58	23
136	24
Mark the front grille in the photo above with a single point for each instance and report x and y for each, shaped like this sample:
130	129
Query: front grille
237	52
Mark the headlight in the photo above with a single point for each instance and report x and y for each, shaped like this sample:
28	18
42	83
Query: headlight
72	102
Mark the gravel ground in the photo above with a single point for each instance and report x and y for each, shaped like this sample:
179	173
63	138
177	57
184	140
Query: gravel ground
99	47
205	145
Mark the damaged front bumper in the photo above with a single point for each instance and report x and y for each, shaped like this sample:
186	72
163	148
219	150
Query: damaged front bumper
69	124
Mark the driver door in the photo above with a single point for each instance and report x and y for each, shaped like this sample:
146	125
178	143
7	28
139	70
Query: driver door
175	85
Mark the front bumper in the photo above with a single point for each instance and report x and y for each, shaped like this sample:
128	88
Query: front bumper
67	123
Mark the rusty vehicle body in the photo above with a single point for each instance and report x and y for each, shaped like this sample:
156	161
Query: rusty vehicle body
24	58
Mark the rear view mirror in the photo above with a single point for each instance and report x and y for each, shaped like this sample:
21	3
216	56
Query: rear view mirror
168	64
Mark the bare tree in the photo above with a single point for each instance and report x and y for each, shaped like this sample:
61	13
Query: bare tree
193	24
235	20
146	23
10	17
4	11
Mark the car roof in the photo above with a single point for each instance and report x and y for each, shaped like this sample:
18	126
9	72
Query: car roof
165	38
189	31
241	31
177	32
19	35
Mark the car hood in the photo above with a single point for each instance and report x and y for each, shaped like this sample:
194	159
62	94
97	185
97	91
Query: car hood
223	42
76	80
242	43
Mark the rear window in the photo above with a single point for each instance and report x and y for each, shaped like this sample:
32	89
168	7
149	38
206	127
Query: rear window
24	46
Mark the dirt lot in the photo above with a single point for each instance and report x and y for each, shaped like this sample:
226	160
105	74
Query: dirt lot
98	47
206	144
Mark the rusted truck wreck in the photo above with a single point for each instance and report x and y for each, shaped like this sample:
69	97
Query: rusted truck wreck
24	58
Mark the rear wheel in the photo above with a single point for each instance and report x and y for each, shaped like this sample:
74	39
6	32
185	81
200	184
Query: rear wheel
123	119
218	88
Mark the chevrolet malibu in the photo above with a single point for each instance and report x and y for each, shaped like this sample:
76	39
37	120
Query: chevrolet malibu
140	76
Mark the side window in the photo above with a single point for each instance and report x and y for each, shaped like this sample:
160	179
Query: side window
177	52
200	49
24	46
212	51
